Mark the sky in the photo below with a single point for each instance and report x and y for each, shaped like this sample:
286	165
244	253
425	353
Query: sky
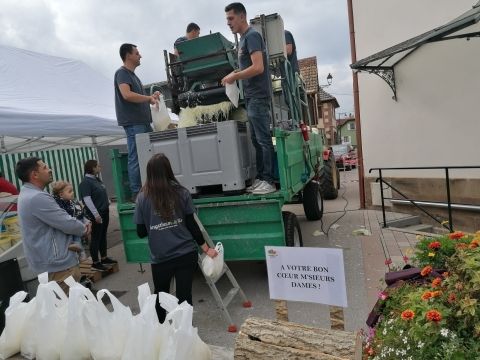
93	30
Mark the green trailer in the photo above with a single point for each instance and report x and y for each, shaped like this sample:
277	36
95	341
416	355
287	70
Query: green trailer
244	223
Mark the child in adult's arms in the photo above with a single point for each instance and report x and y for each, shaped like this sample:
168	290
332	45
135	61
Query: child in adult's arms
164	211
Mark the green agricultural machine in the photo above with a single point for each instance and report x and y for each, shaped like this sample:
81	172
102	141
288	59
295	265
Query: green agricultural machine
215	161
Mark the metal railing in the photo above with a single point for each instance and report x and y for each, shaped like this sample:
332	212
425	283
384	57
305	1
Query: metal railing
417	202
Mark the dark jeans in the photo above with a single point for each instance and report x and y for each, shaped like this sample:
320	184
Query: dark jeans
133	166
99	237
182	268
258	112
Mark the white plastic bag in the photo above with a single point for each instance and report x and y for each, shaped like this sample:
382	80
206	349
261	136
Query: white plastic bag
146	335
106	331
212	267
50	319
183	340
233	93
75	344
160	117
15	322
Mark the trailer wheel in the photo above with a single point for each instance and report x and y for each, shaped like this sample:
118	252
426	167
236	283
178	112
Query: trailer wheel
329	178
312	201
293	234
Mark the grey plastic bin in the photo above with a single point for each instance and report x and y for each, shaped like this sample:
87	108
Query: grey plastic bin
203	155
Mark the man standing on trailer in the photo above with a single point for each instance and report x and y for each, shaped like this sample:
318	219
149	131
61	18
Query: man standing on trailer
132	109
255	76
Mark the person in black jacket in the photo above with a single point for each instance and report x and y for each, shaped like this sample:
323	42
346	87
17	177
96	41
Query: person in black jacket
164	211
94	196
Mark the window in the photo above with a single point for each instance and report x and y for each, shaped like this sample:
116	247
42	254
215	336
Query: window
351	126
346	139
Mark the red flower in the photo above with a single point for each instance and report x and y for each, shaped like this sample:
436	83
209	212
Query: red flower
461	246
436	294
426	270
388	261
426	295
405	259
370	351
434	245
437	282
408	314
433	315
456	235
473	244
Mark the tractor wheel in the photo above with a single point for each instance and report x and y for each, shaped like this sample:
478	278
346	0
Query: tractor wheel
293	235
329	179
312	201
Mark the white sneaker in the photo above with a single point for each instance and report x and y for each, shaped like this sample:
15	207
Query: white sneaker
254	185
264	188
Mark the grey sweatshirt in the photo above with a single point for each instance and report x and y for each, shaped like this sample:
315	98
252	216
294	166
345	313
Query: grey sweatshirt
47	230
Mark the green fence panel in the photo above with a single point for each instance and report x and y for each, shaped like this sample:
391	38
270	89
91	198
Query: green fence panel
67	164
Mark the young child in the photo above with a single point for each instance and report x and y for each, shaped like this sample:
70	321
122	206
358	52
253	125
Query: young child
63	194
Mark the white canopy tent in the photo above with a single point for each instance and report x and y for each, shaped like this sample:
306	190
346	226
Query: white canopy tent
48	101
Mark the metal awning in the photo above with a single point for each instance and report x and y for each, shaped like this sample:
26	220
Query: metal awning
383	63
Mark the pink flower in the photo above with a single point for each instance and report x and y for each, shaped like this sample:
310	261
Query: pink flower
382	295
388	261
405	259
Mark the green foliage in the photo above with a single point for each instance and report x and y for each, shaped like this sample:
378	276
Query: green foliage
437	319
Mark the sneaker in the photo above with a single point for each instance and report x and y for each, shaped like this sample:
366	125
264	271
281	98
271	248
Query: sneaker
264	188
108	261
254	185
98	266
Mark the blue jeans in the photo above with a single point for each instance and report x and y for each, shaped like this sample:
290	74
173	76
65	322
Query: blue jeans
258	112
133	167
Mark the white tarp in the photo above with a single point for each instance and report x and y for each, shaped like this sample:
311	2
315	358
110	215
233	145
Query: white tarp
43	95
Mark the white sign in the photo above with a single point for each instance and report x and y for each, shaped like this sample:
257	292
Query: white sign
306	274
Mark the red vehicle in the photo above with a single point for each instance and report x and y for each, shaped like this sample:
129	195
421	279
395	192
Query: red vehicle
345	156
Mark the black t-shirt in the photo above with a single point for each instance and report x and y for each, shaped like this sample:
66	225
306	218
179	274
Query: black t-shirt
179	40
293	56
129	113
94	187
259	85
166	239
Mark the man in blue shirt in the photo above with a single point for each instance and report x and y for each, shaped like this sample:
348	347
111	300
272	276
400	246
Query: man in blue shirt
255	76
132	109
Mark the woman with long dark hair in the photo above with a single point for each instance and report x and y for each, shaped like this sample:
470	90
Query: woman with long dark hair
164	211
94	196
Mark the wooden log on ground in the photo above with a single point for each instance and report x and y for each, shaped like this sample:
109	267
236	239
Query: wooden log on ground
281	310
269	339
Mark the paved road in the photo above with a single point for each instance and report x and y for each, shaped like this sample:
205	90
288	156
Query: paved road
252	276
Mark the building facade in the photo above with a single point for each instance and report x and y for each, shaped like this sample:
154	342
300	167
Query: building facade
419	111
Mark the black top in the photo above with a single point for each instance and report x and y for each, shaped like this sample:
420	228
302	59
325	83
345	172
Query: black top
257	86
94	187
72	207
129	113
292	58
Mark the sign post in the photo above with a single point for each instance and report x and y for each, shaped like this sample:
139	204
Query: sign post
307	274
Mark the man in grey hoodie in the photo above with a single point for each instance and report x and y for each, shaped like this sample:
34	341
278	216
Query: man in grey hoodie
47	229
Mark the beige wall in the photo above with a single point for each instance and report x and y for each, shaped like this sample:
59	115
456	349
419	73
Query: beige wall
436	120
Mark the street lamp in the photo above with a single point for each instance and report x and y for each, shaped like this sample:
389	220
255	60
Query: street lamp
329	81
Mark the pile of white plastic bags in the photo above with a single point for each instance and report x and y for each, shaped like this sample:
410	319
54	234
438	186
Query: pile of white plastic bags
80	327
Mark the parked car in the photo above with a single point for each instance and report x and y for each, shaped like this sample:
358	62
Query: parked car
345	156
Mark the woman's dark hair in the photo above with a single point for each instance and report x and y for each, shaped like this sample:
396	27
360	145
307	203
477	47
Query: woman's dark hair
162	187
89	166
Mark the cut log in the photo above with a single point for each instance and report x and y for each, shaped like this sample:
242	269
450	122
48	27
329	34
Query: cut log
270	339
